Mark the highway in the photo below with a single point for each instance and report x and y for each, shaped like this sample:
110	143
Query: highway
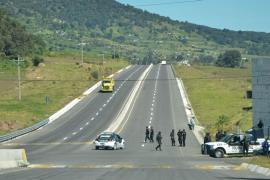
62	150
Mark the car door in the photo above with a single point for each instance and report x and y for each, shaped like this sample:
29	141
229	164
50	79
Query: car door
234	145
120	141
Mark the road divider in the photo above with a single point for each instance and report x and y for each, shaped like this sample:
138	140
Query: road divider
77	100
13	158
120	120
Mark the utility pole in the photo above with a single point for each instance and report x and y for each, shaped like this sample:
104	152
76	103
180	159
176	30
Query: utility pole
19	77
82	51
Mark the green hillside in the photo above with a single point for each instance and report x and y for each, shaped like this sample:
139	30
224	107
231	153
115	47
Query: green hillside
15	40
113	28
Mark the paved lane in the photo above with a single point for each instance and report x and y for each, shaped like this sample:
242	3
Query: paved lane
160	105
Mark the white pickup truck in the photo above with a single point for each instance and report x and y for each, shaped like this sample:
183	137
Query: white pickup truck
231	144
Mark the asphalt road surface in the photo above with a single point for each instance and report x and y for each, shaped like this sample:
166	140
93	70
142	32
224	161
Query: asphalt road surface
61	150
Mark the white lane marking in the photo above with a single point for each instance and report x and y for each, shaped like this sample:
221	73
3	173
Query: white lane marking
74	133
152	104
81	128
100	109
142	145
108	101
150	122
104	105
152	113
92	119
152	109
151	118
97	114
65	138
87	123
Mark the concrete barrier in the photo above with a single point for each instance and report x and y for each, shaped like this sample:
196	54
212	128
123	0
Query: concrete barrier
198	130
119	120
13	158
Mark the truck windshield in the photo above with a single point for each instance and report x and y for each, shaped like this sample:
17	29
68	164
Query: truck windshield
105	82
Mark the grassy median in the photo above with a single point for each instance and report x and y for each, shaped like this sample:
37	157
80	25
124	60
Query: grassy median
61	79
216	92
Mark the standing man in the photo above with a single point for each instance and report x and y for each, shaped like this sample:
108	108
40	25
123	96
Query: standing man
159	138
245	144
180	140
151	134
172	138
146	134
184	135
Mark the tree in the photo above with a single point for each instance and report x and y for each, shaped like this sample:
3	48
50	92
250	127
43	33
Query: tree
230	58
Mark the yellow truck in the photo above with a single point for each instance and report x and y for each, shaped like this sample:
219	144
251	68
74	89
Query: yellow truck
107	85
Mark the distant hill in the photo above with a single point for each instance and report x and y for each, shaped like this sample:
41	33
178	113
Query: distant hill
14	40
106	25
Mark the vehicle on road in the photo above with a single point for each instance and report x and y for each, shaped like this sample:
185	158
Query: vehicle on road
107	85
109	140
163	62
231	145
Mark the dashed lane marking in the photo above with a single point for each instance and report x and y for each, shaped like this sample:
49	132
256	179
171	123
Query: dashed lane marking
87	123
74	133
81	128
92	119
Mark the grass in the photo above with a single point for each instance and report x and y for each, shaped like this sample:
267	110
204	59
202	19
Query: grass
215	91
60	78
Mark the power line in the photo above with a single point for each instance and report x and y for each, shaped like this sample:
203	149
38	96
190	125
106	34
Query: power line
168	3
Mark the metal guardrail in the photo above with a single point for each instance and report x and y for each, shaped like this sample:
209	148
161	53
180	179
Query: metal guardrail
23	131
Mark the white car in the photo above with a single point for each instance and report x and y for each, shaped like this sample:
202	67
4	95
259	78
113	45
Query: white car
231	144
109	140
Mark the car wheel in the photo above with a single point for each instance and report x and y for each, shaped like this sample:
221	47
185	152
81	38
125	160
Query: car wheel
219	153
97	148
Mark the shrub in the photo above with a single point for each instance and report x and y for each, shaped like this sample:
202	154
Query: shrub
37	60
95	74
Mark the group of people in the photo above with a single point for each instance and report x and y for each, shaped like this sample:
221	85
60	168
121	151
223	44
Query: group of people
181	137
149	135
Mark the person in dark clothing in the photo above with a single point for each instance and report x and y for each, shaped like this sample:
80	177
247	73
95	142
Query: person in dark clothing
180	137
151	134
172	138
260	124
265	147
207	138
219	135
245	144
159	141
147	133
184	135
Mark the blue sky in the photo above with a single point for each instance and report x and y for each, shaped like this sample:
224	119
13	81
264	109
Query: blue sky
252	15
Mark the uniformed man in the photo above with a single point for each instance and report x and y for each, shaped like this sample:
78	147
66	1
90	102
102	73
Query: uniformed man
172	138
184	135
159	141
180	137
245	144
147	134
151	134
